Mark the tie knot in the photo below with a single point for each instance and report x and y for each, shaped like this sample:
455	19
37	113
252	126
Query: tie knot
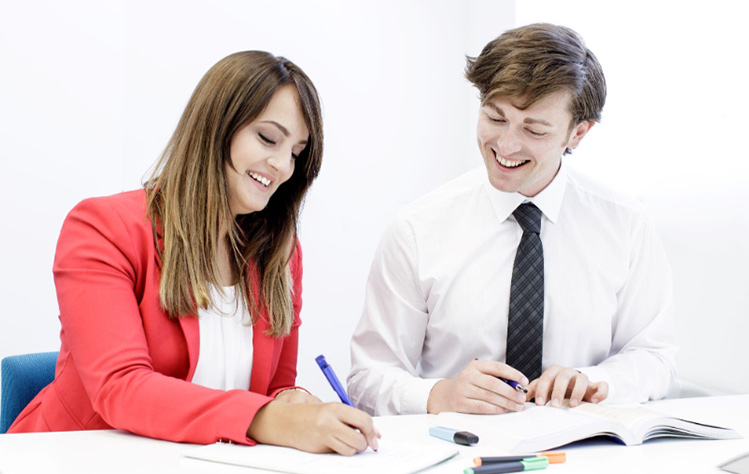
529	217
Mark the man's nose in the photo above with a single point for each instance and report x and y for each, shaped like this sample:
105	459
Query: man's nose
508	143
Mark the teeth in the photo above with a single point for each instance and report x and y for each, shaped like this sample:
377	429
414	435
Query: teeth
509	163
263	180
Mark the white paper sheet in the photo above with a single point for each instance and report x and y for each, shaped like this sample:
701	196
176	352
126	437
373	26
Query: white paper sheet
396	458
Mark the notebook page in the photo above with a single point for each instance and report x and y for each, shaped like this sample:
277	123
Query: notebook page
392	458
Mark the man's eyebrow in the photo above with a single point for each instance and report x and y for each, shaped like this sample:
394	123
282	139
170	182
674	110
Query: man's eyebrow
533	121
284	130
529	120
496	109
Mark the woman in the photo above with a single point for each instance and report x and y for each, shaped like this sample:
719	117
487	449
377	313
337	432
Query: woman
154	340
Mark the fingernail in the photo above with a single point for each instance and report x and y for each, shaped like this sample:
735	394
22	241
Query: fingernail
374	444
540	401
555	402
520	397
574	403
519	407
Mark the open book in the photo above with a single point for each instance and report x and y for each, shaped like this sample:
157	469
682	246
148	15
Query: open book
541	428
391	458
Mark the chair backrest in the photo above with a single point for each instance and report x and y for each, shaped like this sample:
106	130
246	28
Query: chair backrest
23	376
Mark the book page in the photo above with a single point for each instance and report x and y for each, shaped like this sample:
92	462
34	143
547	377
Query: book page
391	458
647	424
636	418
534	429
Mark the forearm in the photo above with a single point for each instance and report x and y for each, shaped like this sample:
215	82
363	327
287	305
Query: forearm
387	343
167	408
386	391
639	375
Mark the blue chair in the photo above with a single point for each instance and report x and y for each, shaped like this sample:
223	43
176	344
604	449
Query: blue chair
23	376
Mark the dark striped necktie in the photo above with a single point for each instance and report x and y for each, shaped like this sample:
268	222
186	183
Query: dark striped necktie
525	325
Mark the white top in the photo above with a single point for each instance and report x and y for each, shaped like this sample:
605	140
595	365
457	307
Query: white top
439	289
225	360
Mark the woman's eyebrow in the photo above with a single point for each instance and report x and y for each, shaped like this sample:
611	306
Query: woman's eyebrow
283	130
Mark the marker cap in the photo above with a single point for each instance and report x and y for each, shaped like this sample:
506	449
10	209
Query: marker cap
465	438
554	457
459	437
533	464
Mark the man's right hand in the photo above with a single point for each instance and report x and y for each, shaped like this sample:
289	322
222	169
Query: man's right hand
476	389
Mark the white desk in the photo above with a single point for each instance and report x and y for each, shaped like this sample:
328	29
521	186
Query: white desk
115	451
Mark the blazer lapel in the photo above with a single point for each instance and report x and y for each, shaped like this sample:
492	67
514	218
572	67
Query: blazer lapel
262	356
191	330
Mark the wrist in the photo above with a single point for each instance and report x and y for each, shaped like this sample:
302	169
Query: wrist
292	389
261	423
436	402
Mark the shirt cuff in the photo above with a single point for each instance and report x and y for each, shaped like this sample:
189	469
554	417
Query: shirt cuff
415	396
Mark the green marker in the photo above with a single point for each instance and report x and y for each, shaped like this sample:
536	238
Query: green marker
530	464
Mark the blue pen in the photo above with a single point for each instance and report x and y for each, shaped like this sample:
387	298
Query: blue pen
327	370
514	385
511	383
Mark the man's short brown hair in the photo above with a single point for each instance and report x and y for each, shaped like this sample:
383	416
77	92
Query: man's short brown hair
533	61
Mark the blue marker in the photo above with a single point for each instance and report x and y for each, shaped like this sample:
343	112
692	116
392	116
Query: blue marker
454	436
327	370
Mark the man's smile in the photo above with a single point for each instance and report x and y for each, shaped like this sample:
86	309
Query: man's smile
508	163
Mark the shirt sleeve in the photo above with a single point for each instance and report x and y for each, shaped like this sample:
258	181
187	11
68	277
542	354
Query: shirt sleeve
641	365
387	343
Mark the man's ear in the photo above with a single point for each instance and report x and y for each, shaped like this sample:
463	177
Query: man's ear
578	132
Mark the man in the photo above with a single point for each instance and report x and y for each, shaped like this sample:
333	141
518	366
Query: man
523	270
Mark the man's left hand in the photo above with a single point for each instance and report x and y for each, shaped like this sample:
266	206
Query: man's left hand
558	383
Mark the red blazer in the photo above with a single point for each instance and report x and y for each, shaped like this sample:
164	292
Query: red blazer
123	363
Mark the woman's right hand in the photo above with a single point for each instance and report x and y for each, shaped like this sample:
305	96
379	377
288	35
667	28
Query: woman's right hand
296	395
314	427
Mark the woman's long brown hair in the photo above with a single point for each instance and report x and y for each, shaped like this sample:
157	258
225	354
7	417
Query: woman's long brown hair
187	193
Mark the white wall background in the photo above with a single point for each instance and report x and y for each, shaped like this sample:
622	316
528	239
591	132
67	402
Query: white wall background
674	134
91	91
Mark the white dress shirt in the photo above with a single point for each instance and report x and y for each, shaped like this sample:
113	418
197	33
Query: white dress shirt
439	289
225	360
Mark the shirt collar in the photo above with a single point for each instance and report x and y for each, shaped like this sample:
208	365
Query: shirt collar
549	200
